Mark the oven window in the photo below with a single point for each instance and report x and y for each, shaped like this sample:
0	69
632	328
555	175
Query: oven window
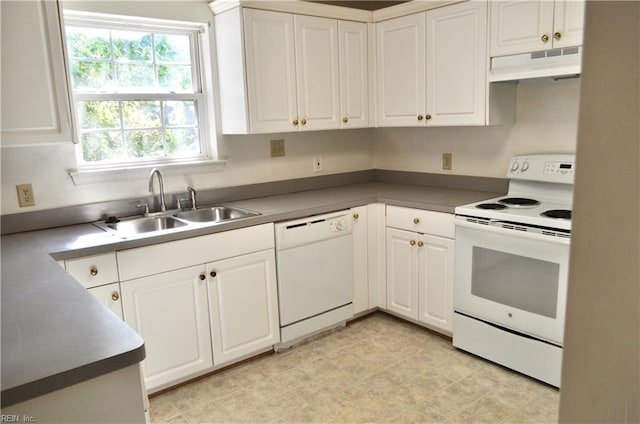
517	281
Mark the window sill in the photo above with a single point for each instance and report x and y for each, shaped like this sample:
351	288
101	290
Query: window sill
100	175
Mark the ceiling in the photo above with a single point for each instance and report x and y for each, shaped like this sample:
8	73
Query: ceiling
361	4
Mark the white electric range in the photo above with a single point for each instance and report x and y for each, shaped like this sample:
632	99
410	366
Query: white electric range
512	259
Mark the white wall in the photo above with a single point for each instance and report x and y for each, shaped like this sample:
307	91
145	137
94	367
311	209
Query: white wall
248	161
546	122
601	364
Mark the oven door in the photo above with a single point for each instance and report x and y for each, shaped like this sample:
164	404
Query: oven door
512	278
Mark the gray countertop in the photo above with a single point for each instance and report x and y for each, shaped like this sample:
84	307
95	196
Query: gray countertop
55	334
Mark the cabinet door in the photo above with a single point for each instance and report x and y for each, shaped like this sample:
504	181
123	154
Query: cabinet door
435	284
360	260
243	301
109	296
519	26
402	273
271	73
456	64
170	312
317	72
568	23
400	62
35	100
354	70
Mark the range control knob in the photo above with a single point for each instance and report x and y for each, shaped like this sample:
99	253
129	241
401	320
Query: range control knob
514	166
525	166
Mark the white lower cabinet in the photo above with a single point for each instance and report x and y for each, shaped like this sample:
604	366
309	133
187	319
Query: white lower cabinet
110	297
243	301
420	269
170	312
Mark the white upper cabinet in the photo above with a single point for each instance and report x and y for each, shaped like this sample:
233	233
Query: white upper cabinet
280	72
270	73
317	71
35	100
400	61
431	67
354	71
456	64
526	26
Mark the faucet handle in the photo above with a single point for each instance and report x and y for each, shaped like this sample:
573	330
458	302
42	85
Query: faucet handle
145	206
180	203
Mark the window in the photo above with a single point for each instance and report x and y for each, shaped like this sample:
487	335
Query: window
137	90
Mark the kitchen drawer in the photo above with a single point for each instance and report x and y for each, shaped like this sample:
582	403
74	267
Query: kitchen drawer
93	271
109	296
421	221
163	257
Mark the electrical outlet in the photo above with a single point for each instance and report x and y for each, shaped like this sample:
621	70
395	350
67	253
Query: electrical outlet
447	160
317	163
25	195
277	148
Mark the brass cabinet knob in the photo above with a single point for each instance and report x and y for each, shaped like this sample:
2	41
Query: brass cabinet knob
420	117
557	35
544	38
427	117
303	122
295	122
356	216
416	220
94	271
115	296
412	242
420	244
345	119
213	274
202	277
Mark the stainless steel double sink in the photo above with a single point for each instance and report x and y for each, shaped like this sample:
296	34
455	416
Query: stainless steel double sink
137	226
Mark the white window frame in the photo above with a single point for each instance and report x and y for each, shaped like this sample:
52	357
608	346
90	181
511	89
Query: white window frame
201	70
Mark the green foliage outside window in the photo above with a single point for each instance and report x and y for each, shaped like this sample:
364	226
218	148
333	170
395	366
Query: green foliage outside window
104	62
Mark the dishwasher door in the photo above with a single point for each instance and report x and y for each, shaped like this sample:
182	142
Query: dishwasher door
315	266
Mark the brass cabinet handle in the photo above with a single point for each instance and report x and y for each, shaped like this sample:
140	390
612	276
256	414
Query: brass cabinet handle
544	38
295	122
416	220
412	242
557	35
94	271
420	244
345	119
303	122
356	216
427	117
213	274
202	277
115	296
420	117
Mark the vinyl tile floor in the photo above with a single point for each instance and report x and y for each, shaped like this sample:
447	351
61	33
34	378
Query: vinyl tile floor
375	370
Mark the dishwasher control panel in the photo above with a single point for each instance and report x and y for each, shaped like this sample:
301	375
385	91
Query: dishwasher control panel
312	229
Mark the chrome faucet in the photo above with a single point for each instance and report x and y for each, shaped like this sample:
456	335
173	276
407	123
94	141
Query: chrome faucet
156	171
192	192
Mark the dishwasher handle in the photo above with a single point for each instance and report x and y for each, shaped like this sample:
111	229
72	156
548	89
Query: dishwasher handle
312	229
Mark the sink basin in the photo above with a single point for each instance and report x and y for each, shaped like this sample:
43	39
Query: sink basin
215	214
146	225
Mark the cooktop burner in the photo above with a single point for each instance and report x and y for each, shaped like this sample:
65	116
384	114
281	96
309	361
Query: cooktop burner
557	213
493	206
519	201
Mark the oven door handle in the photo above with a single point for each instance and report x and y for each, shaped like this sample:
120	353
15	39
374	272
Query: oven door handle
461	222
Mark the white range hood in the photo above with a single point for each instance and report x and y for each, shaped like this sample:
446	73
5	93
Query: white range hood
556	63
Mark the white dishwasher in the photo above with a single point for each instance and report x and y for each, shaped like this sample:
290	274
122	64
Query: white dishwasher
315	274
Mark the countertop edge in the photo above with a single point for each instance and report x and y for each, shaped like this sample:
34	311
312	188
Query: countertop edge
68	378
